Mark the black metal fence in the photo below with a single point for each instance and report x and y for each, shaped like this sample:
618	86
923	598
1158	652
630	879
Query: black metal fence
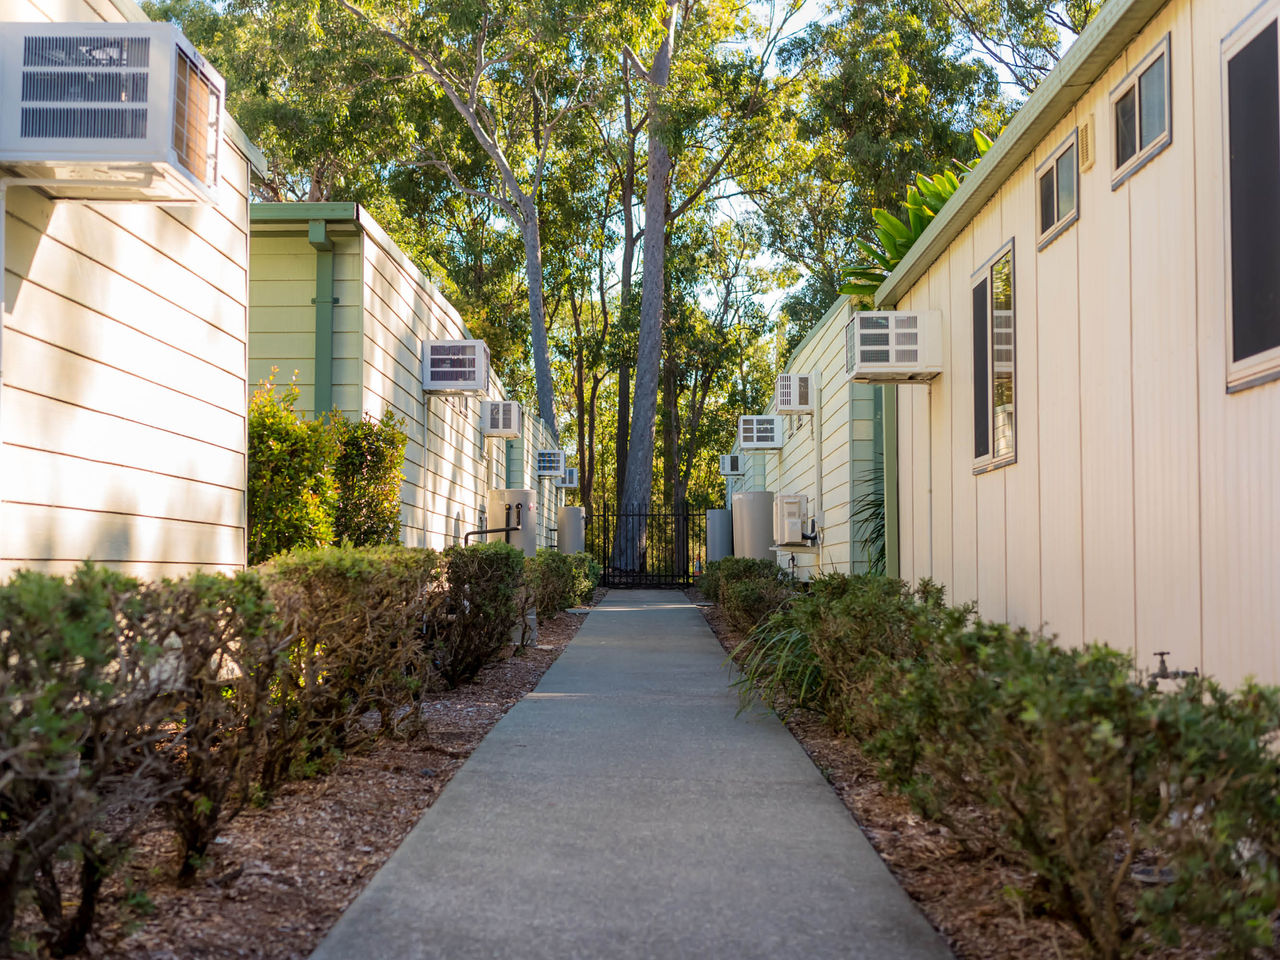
640	547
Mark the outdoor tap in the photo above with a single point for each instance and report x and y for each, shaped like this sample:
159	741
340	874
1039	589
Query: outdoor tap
1164	673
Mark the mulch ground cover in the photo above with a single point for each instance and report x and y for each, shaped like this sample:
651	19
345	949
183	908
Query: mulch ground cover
279	877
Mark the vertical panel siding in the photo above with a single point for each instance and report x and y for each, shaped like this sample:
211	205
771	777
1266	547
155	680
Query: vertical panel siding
122	415
1152	489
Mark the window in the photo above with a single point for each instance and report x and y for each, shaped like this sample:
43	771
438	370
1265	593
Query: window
1251	81
994	356
1141	114
1057	180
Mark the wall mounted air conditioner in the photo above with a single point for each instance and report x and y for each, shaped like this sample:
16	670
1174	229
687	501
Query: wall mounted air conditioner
790	520
550	463
893	347
794	393
132	108
501	418
732	465
455	366
570	479
758	432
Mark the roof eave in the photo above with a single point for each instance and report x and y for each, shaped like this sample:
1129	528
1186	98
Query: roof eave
1093	52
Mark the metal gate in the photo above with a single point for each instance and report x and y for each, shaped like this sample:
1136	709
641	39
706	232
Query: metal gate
641	547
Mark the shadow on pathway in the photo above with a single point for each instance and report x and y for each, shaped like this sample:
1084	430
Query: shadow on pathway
623	810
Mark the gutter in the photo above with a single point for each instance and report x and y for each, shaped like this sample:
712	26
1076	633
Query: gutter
1094	51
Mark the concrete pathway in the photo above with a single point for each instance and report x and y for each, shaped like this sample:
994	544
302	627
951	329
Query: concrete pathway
623	810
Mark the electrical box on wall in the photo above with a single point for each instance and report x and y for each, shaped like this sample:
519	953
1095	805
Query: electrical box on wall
887	346
790	519
127	111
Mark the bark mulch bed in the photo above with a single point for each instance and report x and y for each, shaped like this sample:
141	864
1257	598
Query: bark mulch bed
280	877
972	902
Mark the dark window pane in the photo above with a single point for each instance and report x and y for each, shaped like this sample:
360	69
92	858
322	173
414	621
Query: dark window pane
1151	93
1254	115
981	357
1066	177
1047	195
1126	126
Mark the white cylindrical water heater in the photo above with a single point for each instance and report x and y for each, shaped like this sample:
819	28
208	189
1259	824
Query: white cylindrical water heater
753	525
719	534
571	529
522	513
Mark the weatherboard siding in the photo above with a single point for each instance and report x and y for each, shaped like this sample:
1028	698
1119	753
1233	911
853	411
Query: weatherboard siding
1142	509
122	416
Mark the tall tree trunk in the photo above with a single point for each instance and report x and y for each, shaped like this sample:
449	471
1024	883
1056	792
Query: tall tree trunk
538	315
670	431
638	486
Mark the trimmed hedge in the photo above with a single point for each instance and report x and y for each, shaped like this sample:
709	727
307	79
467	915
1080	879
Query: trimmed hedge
196	696
1060	760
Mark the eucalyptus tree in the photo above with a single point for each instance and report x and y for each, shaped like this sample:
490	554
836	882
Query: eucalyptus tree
517	74
712	99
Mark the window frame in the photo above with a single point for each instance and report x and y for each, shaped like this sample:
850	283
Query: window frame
1120	172
1264	367
1047	235
989	461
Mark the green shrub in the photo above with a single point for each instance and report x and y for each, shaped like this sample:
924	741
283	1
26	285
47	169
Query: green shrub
78	715
719	573
358	618
587	572
748	602
368	471
483	594
223	653
291	488
552	581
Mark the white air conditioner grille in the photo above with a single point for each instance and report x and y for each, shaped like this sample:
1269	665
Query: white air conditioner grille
550	463
731	465
455	366
501	418
893	347
760	432
570	479
109	70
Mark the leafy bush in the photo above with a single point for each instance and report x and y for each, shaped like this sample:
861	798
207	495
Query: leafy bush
719	573
780	661
484	581
552	581
369	470
291	488
750	601
78	715
587	572
358	619
223	651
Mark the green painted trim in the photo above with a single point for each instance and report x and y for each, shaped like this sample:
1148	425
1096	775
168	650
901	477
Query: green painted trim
1116	24
832	311
302	212
892	533
515	464
318	237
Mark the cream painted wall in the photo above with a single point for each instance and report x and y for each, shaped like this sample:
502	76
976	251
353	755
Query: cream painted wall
122	416
1142	510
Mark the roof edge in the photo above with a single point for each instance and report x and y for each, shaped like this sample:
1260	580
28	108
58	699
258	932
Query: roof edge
1088	58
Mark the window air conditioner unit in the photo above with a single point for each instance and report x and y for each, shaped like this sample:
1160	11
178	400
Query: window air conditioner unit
793	393
500	418
790	518
760	432
893	347
455	366
550	463
570	479
126	111
731	465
